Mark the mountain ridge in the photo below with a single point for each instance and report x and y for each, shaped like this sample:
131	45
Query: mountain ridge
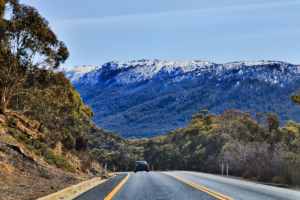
145	98
158	67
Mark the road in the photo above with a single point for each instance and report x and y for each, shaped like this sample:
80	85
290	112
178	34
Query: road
184	185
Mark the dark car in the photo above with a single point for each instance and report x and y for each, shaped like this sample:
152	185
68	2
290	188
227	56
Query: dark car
141	166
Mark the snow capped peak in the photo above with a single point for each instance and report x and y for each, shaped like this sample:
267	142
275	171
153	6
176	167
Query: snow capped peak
76	72
140	70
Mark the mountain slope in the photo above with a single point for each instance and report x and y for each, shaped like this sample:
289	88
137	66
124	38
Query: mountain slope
145	98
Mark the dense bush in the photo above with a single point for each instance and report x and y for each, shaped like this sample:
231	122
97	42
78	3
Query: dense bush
81	143
68	140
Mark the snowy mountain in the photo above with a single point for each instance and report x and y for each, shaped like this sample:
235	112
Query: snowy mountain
141	70
145	98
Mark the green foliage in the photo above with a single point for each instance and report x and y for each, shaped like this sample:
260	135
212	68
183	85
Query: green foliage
13	120
14	132
100	155
296	97
205	111
26	35
2	149
253	146
59	161
4	125
67	139
102	139
36	124
24	138
278	180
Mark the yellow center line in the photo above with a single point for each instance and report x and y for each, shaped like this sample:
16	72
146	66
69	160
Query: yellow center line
117	188
203	189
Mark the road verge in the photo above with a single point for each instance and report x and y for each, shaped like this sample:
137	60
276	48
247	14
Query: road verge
70	191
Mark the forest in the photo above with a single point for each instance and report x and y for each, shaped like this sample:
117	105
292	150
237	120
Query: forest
253	145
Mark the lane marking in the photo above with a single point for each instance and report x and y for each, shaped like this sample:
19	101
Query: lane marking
244	181
203	189
117	188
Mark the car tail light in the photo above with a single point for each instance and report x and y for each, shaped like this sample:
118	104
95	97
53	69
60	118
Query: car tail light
147	164
136	165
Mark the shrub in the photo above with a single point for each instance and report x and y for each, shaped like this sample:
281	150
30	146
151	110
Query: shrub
2	149
244	175
59	161
278	180
67	139
264	176
296	175
85	161
40	138
50	138
81	143
13	120
37	144
4	125
36	124
23	138
252	172
287	174
37	152
14	132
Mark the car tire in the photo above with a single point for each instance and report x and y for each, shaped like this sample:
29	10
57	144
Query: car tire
134	171
147	171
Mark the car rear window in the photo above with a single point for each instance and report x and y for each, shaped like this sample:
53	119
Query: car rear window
141	162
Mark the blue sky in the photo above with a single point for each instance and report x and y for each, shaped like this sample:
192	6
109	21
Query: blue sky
99	31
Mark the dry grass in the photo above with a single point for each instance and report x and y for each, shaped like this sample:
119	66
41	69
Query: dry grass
25	175
24	179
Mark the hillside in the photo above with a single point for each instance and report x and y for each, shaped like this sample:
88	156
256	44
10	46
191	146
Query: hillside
29	169
145	98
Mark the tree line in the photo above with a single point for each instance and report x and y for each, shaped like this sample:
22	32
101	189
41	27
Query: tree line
254	147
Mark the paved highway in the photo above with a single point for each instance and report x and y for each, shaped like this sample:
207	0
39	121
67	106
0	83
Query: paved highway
184	185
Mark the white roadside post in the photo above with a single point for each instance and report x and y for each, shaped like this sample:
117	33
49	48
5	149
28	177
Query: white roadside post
114	168
227	169
105	167
101	168
222	168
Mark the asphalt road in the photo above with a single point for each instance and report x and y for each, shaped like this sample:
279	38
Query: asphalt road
185	185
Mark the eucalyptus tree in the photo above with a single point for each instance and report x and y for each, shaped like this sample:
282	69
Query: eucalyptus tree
28	47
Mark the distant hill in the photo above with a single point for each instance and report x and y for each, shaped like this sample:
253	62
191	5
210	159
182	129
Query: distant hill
145	98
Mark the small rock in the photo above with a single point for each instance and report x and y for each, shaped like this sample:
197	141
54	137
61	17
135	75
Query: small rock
52	187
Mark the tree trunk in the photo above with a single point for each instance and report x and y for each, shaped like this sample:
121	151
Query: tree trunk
3	105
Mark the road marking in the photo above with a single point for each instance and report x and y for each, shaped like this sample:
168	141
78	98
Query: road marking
245	181
203	189
117	188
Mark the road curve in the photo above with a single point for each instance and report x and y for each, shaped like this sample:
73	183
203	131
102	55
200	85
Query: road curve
184	185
